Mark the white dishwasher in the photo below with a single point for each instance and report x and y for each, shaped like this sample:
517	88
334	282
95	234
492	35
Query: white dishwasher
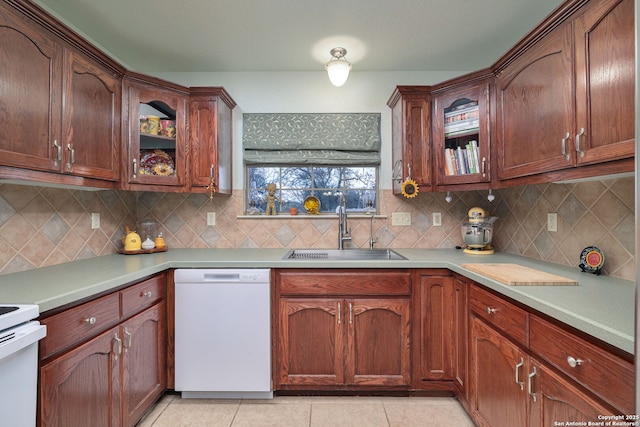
223	333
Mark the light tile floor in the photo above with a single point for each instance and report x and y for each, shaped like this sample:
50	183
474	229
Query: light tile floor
308	411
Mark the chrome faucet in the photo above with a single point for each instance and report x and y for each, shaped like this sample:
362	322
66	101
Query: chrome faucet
372	240
344	233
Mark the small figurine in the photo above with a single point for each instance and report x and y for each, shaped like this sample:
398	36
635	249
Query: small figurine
271	199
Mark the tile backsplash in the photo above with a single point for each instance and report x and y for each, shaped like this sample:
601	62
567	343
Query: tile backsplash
41	226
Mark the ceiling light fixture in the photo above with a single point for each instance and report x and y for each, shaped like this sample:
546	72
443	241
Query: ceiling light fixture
338	67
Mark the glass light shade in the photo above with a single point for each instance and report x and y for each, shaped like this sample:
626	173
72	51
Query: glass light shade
338	70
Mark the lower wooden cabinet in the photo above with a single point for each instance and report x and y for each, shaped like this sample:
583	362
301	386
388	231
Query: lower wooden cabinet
111	378
329	337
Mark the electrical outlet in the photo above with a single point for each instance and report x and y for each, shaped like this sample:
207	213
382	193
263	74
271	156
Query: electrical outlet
401	218
437	219
95	220
211	218
552	221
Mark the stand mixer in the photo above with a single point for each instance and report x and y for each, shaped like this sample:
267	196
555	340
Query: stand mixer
477	232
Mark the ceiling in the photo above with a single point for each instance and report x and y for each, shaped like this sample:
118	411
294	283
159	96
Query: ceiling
296	35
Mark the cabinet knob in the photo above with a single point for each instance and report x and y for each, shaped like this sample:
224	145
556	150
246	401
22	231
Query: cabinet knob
90	320
146	294
491	310
573	362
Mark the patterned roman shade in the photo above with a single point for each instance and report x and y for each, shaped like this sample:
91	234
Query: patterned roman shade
321	139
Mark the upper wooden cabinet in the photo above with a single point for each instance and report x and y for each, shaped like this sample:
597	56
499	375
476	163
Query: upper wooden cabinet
569	99
210	139
411	135
61	108
154	161
461	135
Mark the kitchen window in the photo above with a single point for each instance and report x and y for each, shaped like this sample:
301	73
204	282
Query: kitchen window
296	183
323	155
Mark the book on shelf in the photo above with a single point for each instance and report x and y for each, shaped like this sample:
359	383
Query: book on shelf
462	160
465	126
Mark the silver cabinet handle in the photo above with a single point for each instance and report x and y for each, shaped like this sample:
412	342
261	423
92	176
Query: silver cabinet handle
58	158
90	320
118	350
573	362
578	139
518	366
135	168
72	156
339	314
491	310
529	386
564	146
127	339
350	313
482	167
146	294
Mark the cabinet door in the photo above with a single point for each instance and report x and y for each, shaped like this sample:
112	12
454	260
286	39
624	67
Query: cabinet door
535	103
30	96
91	120
498	395
210	143
461	136
143	362
310	342
460	335
83	386
378	352
553	399
605	76
411	135
156	160
436	327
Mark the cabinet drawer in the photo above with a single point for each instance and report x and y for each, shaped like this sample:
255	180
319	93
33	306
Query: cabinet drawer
503	315
78	324
348	282
142	295
606	375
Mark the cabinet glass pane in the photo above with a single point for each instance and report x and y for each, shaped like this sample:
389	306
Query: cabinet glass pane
462	138
157	139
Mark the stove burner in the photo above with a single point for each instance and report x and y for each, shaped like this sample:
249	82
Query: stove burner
5	310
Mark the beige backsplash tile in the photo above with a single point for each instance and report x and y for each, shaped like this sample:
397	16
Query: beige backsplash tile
42	226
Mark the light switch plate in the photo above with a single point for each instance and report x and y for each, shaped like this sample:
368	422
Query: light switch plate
437	219
401	218
95	220
552	221
211	218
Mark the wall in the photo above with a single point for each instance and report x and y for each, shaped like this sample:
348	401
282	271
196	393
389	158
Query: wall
41	226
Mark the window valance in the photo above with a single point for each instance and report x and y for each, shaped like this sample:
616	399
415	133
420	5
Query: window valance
311	138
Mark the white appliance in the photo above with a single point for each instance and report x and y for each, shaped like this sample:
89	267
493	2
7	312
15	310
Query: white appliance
223	333
19	336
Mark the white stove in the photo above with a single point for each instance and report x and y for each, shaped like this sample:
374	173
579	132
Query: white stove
19	336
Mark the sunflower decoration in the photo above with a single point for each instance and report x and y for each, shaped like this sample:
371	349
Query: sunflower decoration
409	188
162	169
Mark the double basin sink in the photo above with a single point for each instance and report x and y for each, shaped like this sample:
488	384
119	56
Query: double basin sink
342	254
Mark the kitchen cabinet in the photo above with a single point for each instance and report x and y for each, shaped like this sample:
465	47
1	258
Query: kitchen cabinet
520	381
73	104
461	135
155	162
342	330
121	351
567	101
411	136
210	140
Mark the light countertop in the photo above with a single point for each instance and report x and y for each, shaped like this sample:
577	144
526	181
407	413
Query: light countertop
601	306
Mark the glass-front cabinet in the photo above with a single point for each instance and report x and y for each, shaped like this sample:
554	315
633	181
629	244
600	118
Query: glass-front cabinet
157	137
461	135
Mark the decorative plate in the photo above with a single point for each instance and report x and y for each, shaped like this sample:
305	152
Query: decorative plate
156	162
591	260
312	205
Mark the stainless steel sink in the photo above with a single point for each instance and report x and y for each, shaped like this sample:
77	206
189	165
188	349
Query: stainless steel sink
344	254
